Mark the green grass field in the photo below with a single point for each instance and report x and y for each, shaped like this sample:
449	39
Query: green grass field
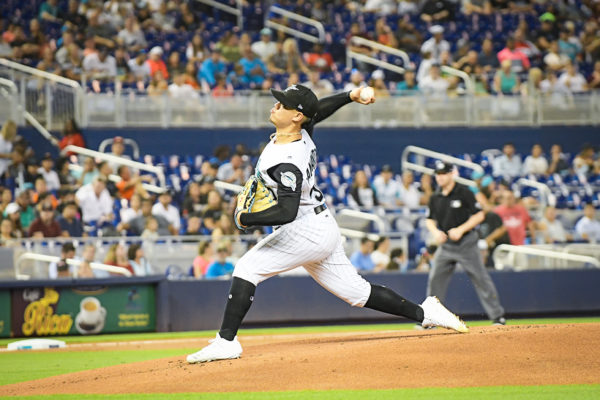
23	366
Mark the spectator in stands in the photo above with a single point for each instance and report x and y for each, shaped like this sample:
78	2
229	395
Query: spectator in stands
515	218
554	60
254	68
87	174
187	20
12	213
190	75
523	44
277	62
158	85
138	262
26	213
220	267
48	63
552	229
590	41
377	82
131	36
69	222
436	11
318	59
117	149
100	65
95	202
384	33
137	225
222	87
508	165
487	58
134	209
210	67
408	37
356	80
162	19
167	210
194	226
42	194
224	227
467	63
506	81
572	80
362	194
558	164
436	44
233	171
535	163
74	20
84	269
45	225
548	31
409	195
213	210
49	11
588	228
61	269
518	59
116	256
434	85
321	87
7	234
387	188
62	54
203	259
7	138
492	233
71	136
193	203
409	86
583	163
174	65
48	173
100	32
381	255
595	78
130	184
151	229
361	258
264	48
155	63
196	49
138	66
476	7
229	46
5	198
180	90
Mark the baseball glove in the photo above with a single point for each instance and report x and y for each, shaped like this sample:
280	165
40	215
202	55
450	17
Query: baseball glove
254	197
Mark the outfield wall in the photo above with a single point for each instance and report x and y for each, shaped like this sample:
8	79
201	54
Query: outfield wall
385	145
53	308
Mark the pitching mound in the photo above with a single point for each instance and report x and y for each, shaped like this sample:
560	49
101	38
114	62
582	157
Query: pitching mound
512	355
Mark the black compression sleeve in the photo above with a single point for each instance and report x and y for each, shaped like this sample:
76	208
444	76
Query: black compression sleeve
289	188
327	106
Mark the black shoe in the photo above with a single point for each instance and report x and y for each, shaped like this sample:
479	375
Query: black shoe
499	321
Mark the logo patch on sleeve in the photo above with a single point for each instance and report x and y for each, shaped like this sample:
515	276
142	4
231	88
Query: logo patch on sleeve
288	179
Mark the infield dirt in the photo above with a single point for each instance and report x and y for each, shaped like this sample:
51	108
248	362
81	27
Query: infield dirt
505	355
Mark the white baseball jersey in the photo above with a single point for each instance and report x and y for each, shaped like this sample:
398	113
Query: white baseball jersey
303	155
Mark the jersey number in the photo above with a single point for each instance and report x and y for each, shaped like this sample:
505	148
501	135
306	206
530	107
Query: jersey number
312	164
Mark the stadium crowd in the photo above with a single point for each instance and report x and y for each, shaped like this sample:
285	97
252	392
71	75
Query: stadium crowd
178	47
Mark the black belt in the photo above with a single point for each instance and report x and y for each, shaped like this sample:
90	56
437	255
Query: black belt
320	209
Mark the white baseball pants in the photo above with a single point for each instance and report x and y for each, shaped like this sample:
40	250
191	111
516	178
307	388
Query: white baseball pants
314	242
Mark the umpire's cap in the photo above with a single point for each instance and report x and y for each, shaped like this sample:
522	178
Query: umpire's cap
442	167
298	97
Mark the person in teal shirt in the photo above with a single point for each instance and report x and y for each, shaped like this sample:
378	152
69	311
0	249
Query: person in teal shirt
220	267
409	86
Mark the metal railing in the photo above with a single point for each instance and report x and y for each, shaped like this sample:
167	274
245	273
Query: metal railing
319	38
377	220
544	193
249	109
49	98
116	178
440	156
9	102
237	11
69	261
360	41
505	255
158	171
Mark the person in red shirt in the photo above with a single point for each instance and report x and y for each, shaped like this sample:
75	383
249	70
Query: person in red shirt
515	218
155	63
45	225
520	62
318	59
72	136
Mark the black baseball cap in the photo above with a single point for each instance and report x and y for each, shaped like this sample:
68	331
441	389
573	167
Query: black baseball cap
298	97
442	167
387	168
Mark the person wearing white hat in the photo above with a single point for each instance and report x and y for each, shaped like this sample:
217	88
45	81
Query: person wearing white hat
155	62
264	48
435	45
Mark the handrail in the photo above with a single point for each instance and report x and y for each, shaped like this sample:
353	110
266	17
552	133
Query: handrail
40	73
441	156
375	61
366	216
356	234
116	178
40	128
69	261
228	186
136	149
511	249
13	91
294	32
545	192
235	11
461	74
118	160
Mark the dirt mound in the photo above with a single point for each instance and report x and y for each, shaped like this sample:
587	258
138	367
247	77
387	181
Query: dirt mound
511	355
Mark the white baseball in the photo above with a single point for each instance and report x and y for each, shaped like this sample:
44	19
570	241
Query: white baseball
367	93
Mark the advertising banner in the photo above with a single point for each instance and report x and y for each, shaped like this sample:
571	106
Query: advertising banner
86	310
4	313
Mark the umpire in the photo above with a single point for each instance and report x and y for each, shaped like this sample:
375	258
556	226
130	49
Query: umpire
453	215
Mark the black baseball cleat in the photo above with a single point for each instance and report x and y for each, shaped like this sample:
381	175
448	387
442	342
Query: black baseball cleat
499	321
